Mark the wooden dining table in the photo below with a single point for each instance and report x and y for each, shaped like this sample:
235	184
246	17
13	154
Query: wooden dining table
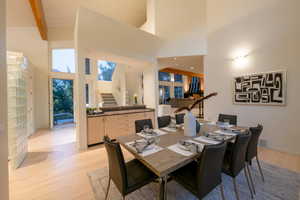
166	161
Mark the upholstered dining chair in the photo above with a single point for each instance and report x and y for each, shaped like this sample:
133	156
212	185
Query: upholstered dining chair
127	177
164	121
252	152
179	118
139	124
202	176
234	160
232	119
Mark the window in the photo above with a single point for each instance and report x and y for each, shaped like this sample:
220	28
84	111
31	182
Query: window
105	70
87	99
63	60
87	66
178	78
164	76
164	94
178	92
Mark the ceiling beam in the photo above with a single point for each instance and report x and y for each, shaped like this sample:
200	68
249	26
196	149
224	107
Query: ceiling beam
38	13
178	71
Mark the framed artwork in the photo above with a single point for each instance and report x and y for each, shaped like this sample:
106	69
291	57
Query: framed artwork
267	88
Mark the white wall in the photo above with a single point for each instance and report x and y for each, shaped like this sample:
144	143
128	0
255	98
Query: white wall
27	40
182	26
3	106
134	84
149	25
104	35
270	31
119	84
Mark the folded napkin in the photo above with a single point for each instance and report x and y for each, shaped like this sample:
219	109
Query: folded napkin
180	149
226	133
169	129
146	152
207	140
157	132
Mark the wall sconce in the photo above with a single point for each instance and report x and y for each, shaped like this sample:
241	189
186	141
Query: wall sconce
240	58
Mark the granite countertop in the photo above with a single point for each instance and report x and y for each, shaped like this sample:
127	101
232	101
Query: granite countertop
121	112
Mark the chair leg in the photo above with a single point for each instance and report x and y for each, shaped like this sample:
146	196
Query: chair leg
248	182
235	189
251	180
107	190
260	169
222	191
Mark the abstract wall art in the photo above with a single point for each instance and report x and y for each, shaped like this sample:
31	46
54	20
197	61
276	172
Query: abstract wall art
261	89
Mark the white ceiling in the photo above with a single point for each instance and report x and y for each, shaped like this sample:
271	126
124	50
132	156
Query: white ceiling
186	63
62	13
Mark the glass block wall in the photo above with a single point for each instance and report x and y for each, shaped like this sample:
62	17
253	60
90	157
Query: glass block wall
17	108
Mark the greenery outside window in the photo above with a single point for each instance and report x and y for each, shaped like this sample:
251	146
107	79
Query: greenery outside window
105	70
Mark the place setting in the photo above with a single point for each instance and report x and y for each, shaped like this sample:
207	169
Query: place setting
146	146
187	147
172	127
147	132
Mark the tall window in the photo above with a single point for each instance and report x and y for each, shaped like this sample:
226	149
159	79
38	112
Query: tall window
63	60
164	94
87	66
178	92
178	78
105	70
164	76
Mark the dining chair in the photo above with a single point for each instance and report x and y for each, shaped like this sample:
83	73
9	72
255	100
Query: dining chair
179	118
164	121
127	177
252	152
234	160
232	119
202	176
139	124
197	126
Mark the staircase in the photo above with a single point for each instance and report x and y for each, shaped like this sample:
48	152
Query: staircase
108	100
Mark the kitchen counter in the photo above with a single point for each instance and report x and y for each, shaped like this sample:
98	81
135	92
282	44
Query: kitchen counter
115	123
121	112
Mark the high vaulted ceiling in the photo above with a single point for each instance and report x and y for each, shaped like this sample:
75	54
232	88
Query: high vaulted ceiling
62	13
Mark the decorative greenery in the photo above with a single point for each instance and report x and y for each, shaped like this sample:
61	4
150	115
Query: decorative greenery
62	99
106	70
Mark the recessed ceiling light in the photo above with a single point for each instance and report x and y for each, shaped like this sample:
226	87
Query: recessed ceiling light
192	68
175	58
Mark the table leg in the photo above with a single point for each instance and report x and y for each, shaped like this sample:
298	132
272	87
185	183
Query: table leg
163	188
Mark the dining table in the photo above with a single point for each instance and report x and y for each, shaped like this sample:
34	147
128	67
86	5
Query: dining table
165	161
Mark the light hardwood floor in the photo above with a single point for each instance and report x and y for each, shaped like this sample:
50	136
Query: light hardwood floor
55	170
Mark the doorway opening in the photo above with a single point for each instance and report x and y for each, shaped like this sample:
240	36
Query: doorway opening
63	106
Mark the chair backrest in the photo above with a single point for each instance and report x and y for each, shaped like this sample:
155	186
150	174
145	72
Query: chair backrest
198	126
163	121
238	154
117	167
210	168
139	124
252	146
179	118
232	119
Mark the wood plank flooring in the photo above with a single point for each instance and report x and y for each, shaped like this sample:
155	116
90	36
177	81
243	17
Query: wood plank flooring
55	170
